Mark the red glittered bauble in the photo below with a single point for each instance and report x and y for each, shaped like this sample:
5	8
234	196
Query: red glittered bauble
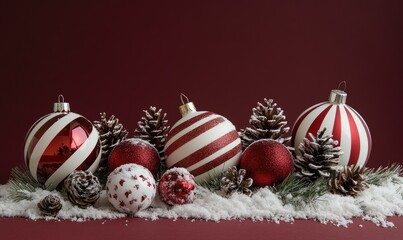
177	186
267	162
136	151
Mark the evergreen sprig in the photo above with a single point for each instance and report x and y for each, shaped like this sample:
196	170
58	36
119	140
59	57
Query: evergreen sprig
22	183
381	174
213	182
298	192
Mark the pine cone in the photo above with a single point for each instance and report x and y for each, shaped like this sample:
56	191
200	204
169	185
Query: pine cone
111	132
318	157
268	122
82	188
349	181
50	205
233	181
153	128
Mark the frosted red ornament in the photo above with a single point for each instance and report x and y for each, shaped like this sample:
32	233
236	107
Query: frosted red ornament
203	142
267	162
59	143
177	186
134	150
131	188
340	120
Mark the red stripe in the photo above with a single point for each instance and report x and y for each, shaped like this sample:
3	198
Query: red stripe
366	131
337	126
208	150
299	121
186	124
368	134
314	128
355	140
193	133
39	133
217	161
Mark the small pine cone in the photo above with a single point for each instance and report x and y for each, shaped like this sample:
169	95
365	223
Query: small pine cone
83	188
50	205
318	156
153	127
268	122
111	132
233	181
348	181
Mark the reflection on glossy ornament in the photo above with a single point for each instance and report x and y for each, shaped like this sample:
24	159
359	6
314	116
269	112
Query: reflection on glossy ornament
59	143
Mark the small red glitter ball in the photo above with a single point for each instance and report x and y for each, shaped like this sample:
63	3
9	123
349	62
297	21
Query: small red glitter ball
136	151
177	186
267	162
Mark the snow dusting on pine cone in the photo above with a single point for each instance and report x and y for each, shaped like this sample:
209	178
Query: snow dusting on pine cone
82	188
50	205
177	186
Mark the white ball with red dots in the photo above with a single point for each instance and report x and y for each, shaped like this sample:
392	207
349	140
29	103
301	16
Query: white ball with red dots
131	188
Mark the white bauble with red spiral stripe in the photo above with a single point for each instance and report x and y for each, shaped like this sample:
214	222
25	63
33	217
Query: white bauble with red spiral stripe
59	143
203	142
340	120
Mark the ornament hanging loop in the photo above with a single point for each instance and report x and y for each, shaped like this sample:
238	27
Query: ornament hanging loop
184	96
187	106
60	99
342	84
61	106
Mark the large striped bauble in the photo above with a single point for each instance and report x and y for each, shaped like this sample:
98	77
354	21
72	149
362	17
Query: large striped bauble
59	143
340	120
204	143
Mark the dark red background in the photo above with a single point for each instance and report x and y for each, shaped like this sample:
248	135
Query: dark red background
122	57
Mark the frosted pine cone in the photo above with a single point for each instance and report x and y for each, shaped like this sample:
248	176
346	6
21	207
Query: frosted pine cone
234	181
349	181
268	122
50	205
318	156
111	132
153	127
82	188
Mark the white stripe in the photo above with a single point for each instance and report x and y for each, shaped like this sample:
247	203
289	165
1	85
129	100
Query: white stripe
328	121
190	128
345	137
364	145
219	169
187	117
306	124
74	161
200	141
34	129
215	155
46	139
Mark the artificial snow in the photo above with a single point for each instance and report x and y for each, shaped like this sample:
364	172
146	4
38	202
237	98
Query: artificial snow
374	204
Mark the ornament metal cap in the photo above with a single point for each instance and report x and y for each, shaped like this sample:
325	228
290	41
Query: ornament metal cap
187	107
61	106
338	96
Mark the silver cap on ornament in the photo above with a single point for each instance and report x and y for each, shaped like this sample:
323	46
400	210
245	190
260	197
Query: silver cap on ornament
61	106
338	96
187	107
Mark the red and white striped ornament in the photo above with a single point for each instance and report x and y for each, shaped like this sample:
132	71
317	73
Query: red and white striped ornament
202	142
59	143
340	120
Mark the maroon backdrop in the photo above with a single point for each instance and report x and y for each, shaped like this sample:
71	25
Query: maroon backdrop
123	57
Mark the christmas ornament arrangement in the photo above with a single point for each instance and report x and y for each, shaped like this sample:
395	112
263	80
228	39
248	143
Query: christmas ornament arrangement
202	167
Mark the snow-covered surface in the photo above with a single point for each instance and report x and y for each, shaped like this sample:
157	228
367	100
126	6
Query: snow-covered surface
374	204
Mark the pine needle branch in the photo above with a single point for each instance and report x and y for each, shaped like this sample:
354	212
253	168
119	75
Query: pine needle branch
22	183
213	182
381	174
299	192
